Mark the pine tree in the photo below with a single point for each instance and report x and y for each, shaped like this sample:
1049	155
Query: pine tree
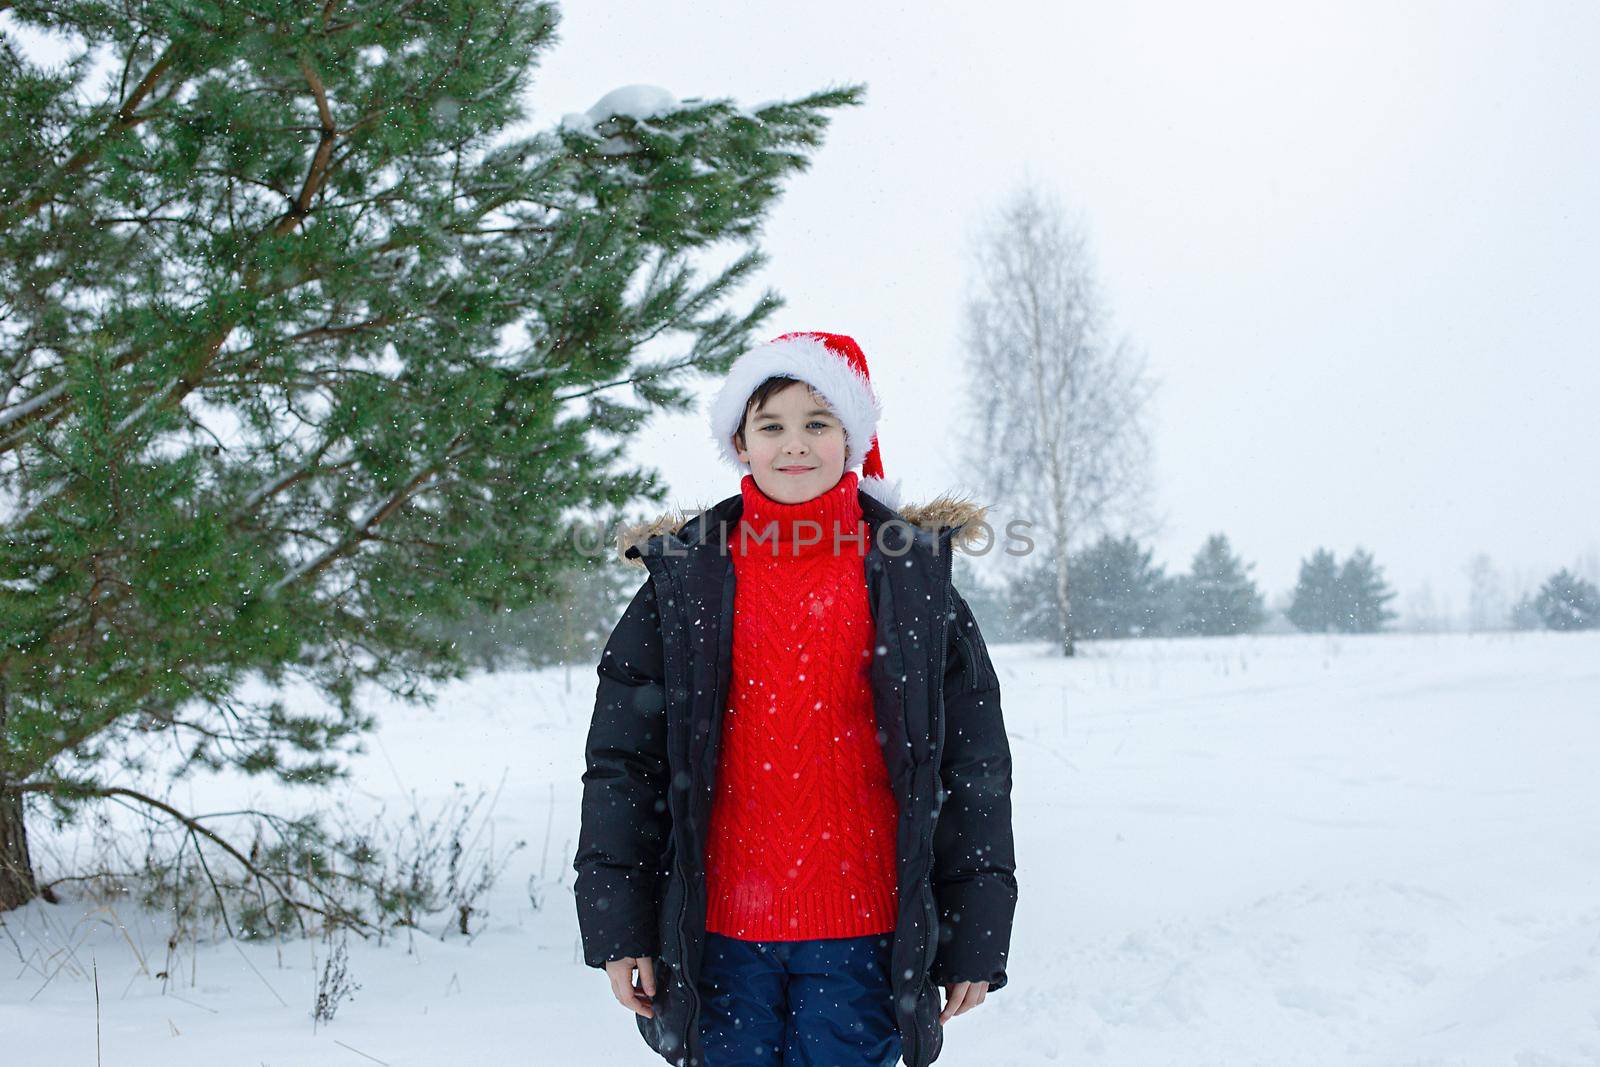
305	343
1118	592
989	603
1568	602
1219	597
569	625
1316	604
1363	595
1525	613
1032	606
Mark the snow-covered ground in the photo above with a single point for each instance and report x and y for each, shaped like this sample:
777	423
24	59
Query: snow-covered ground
1287	850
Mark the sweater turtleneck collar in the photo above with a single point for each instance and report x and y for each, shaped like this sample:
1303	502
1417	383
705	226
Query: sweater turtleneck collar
770	528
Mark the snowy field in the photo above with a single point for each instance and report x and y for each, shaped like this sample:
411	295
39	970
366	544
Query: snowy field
1288	850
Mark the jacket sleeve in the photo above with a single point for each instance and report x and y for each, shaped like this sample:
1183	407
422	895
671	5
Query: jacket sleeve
974	867
625	821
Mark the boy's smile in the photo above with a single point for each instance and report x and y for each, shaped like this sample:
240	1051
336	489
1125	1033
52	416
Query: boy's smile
794	444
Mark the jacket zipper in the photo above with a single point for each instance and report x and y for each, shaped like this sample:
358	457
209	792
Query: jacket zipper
675	590
690	991
929	911
683	944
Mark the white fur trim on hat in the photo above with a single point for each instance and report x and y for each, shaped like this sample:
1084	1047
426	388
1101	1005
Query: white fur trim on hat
883	491
848	394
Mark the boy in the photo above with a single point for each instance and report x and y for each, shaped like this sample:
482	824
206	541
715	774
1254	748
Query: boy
796	816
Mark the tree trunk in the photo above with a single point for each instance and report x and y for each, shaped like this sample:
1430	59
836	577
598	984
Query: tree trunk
17	886
1064	601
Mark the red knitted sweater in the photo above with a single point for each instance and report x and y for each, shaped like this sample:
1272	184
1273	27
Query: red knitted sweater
802	836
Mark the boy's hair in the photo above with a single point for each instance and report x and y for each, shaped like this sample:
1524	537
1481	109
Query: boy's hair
776	383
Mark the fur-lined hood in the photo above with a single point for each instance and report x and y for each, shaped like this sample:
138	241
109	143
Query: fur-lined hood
943	512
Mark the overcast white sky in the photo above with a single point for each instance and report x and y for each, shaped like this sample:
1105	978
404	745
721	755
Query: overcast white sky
1359	243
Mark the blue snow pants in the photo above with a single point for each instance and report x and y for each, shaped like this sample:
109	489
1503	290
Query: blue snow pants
819	1003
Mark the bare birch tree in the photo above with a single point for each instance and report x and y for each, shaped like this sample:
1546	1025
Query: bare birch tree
1059	406
1486	603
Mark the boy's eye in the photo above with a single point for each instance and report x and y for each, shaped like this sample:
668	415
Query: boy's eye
813	422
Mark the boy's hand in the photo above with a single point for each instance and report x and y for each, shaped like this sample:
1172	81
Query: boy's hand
962	996
635	998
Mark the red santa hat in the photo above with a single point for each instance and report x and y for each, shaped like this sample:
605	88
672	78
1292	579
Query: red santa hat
833	365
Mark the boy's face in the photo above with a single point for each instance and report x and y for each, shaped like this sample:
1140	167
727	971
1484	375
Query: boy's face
795	446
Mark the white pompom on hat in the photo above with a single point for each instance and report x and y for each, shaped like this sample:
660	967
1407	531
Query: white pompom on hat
833	365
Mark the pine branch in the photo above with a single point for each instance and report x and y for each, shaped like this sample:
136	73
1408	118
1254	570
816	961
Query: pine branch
318	172
271	488
345	329
126	118
654	371
357	533
193	825
55	400
33	407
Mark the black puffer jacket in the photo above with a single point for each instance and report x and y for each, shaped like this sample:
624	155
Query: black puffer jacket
652	755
